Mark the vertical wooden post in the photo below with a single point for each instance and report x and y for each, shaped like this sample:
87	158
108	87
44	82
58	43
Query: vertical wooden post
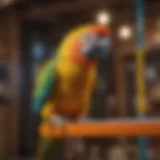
119	73
12	34
8	112
3	107
3	131
120	85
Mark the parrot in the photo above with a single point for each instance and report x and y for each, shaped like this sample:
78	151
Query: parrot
65	83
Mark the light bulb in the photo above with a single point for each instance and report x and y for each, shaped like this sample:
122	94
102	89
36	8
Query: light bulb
125	32
103	18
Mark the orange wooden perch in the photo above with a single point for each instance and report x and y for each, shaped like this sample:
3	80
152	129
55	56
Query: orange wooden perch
103	129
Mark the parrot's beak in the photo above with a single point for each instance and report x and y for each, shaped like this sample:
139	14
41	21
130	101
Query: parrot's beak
100	50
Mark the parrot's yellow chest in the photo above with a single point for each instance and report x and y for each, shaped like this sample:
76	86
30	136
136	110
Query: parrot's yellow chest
74	90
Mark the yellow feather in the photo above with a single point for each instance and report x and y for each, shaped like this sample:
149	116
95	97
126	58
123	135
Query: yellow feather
47	111
67	41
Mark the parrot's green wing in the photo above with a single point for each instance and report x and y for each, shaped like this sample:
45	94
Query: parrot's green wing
44	85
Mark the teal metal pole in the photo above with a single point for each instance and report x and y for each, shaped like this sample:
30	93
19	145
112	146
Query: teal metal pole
141	105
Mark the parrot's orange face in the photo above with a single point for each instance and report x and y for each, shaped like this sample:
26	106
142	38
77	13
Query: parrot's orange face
96	43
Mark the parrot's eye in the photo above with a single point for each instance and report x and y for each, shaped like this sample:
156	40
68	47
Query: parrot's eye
88	41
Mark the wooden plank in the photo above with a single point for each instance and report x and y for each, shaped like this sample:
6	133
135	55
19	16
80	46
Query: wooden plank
42	11
46	11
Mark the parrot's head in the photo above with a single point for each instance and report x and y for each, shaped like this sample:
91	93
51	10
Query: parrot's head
86	44
95	42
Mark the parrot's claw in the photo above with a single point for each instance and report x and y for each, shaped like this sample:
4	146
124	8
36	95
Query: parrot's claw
57	120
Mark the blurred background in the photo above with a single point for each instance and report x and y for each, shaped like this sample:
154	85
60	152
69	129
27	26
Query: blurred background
30	31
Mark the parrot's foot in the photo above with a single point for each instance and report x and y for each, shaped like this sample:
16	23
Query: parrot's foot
58	120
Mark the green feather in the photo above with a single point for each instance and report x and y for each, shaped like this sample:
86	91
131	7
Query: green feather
44	84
